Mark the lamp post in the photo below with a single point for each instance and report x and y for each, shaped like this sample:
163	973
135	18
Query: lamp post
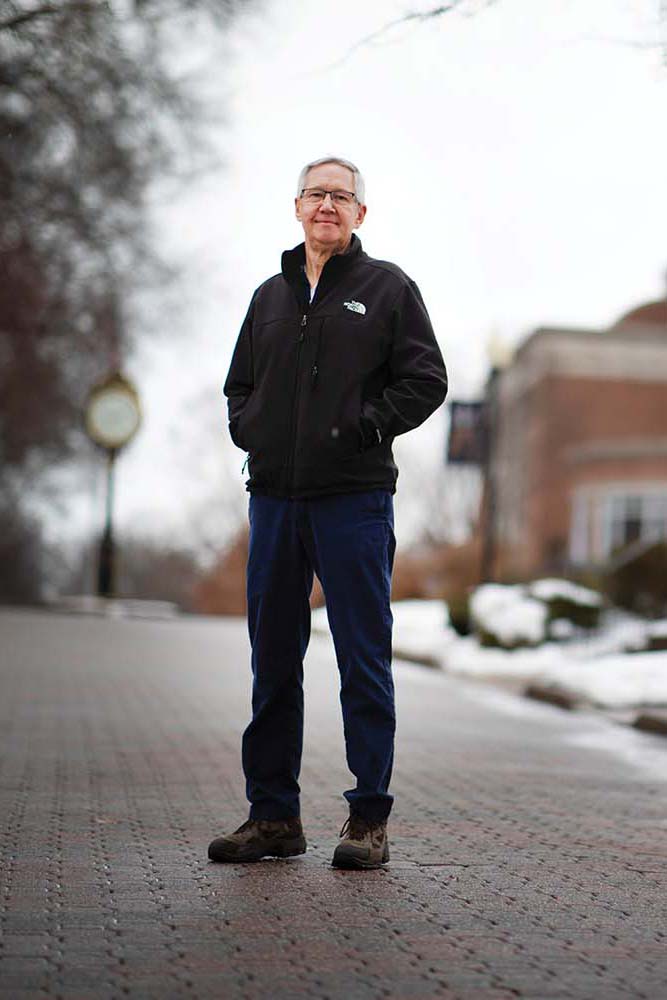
113	416
499	359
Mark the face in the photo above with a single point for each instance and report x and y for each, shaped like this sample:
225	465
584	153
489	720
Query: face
328	226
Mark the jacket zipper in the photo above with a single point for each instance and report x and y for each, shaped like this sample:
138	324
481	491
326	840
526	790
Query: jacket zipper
295	403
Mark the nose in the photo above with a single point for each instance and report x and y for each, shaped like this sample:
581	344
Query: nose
324	201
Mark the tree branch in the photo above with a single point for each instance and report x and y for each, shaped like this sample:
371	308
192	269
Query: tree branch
88	6
412	16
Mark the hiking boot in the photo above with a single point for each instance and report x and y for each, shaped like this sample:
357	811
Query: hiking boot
260	838
363	844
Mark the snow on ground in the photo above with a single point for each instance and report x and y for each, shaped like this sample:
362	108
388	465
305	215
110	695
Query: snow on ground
621	681
601	667
550	589
508	613
419	626
519	614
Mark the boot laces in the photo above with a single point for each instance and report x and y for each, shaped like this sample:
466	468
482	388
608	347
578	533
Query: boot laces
356	827
264	826
246	826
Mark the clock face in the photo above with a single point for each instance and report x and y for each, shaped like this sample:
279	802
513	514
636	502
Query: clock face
113	417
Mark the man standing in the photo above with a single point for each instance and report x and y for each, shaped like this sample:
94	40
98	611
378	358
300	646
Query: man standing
336	357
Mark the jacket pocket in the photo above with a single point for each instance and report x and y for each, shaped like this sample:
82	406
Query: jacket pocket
328	438
243	431
346	437
234	434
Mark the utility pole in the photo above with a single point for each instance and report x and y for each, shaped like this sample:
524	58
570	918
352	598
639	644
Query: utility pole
489	495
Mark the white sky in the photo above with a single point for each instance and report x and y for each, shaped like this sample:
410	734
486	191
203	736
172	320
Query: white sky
515	158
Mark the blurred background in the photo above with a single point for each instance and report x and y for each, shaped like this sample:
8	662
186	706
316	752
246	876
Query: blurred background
515	156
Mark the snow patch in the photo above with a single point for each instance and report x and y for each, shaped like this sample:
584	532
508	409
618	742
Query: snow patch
506	612
551	589
619	681
600	667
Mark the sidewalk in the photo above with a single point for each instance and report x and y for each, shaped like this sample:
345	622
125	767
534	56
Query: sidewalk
528	845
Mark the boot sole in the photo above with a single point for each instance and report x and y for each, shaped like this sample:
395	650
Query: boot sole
288	849
349	862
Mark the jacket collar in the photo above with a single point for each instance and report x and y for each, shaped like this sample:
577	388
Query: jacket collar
293	261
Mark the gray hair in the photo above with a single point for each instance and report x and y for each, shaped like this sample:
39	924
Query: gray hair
359	186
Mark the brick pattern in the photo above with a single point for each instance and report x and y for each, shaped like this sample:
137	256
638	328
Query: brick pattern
523	863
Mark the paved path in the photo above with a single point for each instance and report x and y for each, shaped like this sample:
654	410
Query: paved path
527	859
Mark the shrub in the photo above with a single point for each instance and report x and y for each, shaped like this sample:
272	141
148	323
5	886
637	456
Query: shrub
565	600
523	615
637	579
459	614
507	617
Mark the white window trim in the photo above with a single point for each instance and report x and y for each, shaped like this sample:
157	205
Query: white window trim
590	518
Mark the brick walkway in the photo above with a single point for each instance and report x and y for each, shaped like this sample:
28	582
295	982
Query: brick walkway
525	862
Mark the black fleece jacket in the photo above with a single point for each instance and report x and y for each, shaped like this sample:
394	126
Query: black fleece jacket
317	391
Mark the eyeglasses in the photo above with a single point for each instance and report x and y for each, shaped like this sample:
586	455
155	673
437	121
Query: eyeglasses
314	196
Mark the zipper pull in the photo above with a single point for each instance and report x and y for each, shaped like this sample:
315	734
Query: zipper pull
302	334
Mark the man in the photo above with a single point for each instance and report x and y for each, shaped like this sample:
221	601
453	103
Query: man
336	357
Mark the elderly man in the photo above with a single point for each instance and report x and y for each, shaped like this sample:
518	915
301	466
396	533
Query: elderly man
335	358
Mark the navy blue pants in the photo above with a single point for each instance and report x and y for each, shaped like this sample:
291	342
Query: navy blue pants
348	540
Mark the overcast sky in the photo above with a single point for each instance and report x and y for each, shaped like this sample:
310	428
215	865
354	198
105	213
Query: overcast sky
514	154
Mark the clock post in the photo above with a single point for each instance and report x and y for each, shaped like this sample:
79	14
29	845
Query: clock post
113	415
106	562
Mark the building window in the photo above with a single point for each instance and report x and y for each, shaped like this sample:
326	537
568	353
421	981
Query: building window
605	520
624	516
634	517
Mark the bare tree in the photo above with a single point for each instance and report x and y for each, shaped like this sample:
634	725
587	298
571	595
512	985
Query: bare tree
470	7
91	112
414	18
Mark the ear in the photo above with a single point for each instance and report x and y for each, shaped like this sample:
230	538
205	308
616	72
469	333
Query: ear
297	208
361	215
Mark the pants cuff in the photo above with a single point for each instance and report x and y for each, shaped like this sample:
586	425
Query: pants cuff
272	813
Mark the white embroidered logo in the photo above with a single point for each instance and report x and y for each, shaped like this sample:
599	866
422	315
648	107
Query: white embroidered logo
355	307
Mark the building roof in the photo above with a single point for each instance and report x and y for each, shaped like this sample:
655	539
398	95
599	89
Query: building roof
650	314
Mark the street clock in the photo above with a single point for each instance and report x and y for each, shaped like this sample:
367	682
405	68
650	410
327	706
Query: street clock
113	413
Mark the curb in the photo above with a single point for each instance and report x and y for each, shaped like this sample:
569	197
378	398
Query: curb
424	659
114	607
553	695
652	722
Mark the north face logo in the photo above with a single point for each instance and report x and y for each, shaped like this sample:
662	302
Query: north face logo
355	307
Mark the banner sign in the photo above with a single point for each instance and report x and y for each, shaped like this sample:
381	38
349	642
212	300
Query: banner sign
467	434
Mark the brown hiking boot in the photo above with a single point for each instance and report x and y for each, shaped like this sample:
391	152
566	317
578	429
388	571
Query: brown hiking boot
260	838
363	844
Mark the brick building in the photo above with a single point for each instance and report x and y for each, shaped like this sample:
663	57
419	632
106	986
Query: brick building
579	444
